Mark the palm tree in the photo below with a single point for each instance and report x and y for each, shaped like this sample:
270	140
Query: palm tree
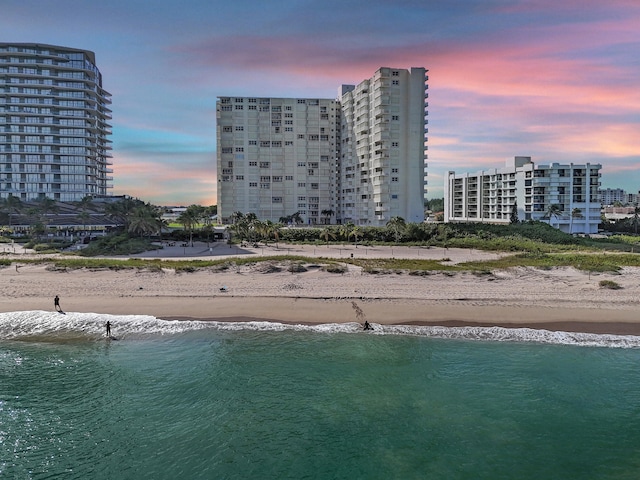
575	213
236	217
190	219
297	219
45	206
12	205
327	233
345	230
356	232
121	210
636	218
328	213
398	226
554	210
145	220
85	204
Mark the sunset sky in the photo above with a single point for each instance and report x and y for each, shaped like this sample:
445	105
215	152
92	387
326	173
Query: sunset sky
555	80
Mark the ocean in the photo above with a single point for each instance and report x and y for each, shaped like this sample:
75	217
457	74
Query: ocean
215	400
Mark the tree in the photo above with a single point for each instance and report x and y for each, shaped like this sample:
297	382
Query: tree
554	210
190	218
44	207
327	214
397	225
145	220
120	211
513	218
84	205
345	230
575	213
636	218
356	232
12	205
236	217
297	219
327	233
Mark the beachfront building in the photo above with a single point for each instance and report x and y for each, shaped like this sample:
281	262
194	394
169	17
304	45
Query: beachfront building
564	195
359	158
53	124
276	157
383	154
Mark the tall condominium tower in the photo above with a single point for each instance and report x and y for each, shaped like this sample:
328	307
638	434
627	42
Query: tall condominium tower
359	159
383	150
53	123
276	157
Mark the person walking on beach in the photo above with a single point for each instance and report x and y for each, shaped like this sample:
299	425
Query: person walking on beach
108	328
56	303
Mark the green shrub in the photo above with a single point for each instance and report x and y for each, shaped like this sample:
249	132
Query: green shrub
610	284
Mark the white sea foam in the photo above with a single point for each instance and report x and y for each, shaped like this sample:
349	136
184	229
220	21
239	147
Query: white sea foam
43	324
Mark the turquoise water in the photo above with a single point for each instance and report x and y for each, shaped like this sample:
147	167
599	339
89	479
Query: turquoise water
200	401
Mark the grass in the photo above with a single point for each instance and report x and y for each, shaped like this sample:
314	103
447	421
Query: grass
589	262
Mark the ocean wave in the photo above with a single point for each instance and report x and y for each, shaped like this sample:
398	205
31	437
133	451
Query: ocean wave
41	325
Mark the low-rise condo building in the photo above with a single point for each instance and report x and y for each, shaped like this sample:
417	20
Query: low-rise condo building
564	195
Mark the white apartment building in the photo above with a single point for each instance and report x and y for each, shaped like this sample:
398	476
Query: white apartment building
276	157
360	158
491	195
384	148
53	123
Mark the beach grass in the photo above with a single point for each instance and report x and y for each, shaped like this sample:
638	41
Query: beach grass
591	262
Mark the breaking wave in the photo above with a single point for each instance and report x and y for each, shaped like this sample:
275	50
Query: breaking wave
53	326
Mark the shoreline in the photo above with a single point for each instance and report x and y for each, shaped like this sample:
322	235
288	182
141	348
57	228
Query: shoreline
560	299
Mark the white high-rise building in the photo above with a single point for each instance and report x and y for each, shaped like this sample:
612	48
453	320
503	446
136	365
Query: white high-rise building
276	157
53	123
360	158
491	196
383	151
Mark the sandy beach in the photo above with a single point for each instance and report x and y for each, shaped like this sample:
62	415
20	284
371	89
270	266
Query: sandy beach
559	299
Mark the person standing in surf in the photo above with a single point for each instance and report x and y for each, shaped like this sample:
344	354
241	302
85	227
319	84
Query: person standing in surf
108	328
56	303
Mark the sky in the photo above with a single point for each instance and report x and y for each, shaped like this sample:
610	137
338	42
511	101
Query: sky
554	80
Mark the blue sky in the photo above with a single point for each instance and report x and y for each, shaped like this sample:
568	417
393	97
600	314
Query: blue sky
557	81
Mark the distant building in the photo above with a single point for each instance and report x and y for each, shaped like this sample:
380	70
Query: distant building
611	196
359	158
491	195
53	124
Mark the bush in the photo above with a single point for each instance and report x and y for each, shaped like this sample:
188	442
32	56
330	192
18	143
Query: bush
610	284
335	268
